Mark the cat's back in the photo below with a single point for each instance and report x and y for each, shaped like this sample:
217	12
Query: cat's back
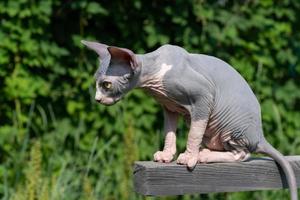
172	54
186	68
229	84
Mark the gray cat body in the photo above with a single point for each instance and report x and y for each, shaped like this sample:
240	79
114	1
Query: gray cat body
220	108
205	87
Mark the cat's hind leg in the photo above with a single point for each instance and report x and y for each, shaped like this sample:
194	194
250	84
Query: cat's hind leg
209	156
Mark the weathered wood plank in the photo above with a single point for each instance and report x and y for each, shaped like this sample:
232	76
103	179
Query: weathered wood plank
159	179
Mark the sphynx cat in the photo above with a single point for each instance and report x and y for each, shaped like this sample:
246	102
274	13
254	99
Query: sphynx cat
218	104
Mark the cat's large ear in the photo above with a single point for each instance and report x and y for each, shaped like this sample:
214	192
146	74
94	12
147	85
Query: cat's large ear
100	49
123	55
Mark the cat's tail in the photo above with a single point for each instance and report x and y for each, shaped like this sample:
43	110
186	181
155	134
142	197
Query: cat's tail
265	147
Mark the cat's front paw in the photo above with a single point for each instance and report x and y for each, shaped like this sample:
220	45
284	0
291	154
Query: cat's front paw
187	158
163	156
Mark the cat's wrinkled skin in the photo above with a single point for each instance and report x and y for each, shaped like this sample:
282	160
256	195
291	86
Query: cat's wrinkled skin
221	109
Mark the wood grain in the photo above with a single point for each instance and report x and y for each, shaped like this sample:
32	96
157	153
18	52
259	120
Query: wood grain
159	179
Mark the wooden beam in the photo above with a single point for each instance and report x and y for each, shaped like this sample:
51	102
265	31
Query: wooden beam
159	179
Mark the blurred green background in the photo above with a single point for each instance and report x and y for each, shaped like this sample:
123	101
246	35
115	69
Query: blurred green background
57	143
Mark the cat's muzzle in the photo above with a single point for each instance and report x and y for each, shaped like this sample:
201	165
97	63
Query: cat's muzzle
108	101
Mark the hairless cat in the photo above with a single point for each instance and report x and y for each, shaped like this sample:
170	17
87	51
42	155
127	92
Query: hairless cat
218	104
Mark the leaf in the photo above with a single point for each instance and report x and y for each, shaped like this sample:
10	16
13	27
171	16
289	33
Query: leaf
96	8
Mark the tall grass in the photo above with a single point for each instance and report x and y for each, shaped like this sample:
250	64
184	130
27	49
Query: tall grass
50	171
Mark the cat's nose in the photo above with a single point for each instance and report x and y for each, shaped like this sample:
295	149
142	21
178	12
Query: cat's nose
98	100
98	97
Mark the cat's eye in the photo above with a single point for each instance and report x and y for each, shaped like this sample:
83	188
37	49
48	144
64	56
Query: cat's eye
106	85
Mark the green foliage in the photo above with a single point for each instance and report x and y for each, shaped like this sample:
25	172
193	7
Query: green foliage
85	150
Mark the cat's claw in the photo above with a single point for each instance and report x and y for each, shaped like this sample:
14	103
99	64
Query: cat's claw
163	156
189	159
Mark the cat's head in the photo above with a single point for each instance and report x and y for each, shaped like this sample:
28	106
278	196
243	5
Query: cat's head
115	75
